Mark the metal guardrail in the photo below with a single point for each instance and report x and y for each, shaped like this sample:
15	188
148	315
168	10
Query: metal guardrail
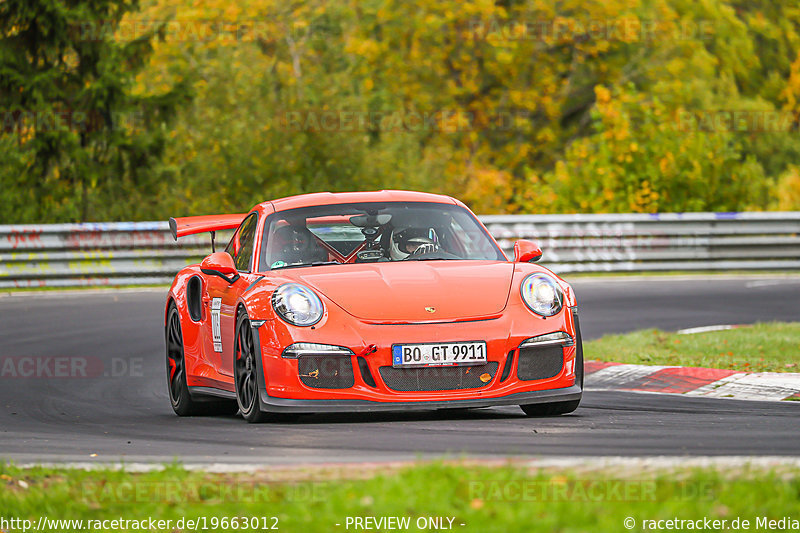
95	254
144	253
657	242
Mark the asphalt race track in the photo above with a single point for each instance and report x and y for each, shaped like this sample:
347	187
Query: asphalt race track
123	413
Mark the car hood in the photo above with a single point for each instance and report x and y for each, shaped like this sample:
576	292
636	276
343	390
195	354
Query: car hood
414	291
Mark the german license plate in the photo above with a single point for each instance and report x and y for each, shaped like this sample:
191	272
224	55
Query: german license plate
438	354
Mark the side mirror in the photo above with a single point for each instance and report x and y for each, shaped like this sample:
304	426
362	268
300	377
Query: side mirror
526	252
220	264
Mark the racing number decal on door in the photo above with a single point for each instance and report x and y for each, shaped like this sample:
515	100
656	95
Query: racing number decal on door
216	330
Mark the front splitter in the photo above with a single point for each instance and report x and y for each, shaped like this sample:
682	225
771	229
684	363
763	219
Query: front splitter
286	405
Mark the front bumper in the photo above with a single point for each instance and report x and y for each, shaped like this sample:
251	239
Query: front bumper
285	405
283	390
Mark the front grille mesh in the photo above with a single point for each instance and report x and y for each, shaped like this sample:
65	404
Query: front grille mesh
326	371
438	378
540	363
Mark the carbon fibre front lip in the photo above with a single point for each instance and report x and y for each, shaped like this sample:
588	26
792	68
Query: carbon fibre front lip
287	405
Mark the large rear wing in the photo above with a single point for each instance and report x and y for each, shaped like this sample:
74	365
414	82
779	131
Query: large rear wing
183	226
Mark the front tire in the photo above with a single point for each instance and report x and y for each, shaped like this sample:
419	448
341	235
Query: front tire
562	408
245	375
550	409
245	372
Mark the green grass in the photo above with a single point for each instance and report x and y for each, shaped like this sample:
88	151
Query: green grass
766	347
486	499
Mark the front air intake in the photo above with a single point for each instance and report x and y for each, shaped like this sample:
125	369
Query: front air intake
326	371
438	378
539	362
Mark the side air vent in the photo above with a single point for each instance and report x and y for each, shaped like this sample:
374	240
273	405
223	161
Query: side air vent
194	289
366	375
507	366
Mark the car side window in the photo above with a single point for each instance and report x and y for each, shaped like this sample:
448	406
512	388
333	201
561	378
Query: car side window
242	244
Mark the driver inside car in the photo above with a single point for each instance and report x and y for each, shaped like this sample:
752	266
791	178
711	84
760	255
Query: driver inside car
411	242
295	245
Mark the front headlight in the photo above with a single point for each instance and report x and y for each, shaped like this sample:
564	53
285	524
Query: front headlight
542	294
297	304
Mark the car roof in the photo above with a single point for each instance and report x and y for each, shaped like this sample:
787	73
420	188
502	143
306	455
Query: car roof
332	198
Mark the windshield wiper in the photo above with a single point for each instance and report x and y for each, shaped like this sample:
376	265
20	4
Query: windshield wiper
435	259
315	263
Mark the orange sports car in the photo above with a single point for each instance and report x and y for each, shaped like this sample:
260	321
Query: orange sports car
367	301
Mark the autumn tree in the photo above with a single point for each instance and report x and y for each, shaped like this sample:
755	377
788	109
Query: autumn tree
77	141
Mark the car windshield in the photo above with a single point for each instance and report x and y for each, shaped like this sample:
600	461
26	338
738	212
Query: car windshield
374	232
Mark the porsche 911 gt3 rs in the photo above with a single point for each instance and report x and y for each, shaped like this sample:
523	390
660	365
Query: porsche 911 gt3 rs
389	300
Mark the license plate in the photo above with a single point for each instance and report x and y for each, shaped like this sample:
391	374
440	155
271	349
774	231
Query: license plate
438	354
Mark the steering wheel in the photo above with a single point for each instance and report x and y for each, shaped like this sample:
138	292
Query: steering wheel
427	248
436	254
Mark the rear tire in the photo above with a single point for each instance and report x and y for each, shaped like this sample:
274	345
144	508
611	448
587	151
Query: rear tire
182	402
179	396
